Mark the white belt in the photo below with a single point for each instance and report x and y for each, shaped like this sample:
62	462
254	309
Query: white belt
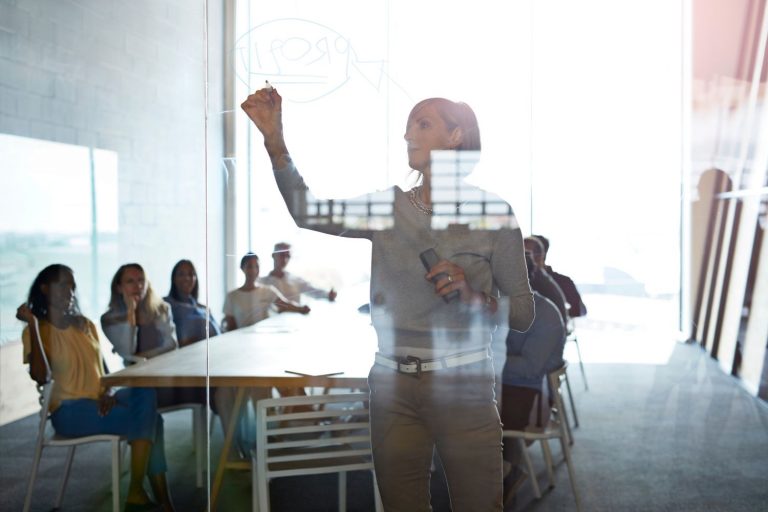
414	366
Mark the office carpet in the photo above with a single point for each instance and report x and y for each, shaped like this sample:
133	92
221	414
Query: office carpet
680	436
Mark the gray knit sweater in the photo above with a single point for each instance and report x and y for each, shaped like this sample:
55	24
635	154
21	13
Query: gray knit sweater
409	317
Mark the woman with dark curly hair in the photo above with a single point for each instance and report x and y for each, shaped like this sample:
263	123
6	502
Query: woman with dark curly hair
80	406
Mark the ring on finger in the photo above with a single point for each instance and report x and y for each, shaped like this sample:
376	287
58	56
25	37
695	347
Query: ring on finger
450	278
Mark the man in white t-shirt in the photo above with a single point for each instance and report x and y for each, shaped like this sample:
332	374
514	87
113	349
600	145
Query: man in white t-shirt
252	302
289	285
244	306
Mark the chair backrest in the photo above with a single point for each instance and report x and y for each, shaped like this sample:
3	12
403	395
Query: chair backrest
46	389
554	379
45	401
302	435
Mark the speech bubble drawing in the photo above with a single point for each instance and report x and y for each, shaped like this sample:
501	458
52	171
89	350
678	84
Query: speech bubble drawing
305	60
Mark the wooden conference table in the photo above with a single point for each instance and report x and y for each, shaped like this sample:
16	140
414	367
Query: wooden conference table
332	346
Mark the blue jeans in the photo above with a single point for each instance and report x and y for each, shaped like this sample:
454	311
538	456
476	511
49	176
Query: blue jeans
134	416
450	410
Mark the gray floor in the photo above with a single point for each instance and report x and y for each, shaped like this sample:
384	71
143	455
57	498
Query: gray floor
678	437
681	436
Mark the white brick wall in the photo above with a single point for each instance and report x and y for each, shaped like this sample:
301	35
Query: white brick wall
127	76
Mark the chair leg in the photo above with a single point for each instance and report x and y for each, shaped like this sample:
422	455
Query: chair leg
570	399
33	476
531	472
548	460
342	491
581	365
65	478
198	427
212	425
125	466
563	417
254	485
571	476
378	505
263	488
116	475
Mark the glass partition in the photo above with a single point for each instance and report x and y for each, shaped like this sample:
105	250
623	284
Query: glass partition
103	146
123	141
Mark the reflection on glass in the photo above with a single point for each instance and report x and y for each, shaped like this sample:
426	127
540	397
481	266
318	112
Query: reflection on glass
439	269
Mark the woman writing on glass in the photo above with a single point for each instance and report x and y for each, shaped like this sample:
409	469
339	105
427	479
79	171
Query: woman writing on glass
432	384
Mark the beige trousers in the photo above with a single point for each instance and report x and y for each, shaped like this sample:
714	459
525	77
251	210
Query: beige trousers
451	411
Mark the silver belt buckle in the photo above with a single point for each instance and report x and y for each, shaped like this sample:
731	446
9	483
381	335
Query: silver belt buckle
417	362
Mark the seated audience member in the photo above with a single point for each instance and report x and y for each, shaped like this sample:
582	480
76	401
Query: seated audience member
80	406
541	281
291	286
575	305
252	302
244	306
139	324
530	356
193	320
190	316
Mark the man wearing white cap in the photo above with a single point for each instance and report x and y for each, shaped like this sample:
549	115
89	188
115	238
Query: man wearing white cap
289	285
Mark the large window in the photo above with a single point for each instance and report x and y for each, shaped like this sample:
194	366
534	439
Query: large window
607	126
59	204
582	137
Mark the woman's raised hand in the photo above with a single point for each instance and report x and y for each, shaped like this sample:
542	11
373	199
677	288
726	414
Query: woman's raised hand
131	304
264	108
24	313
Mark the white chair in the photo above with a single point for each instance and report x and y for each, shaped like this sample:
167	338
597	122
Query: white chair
556	429
332	438
44	441
573	337
570	399
198	433
563	378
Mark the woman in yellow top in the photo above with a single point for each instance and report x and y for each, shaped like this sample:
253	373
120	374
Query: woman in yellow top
80	406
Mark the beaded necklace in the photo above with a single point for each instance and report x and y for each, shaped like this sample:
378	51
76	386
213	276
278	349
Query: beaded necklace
416	202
